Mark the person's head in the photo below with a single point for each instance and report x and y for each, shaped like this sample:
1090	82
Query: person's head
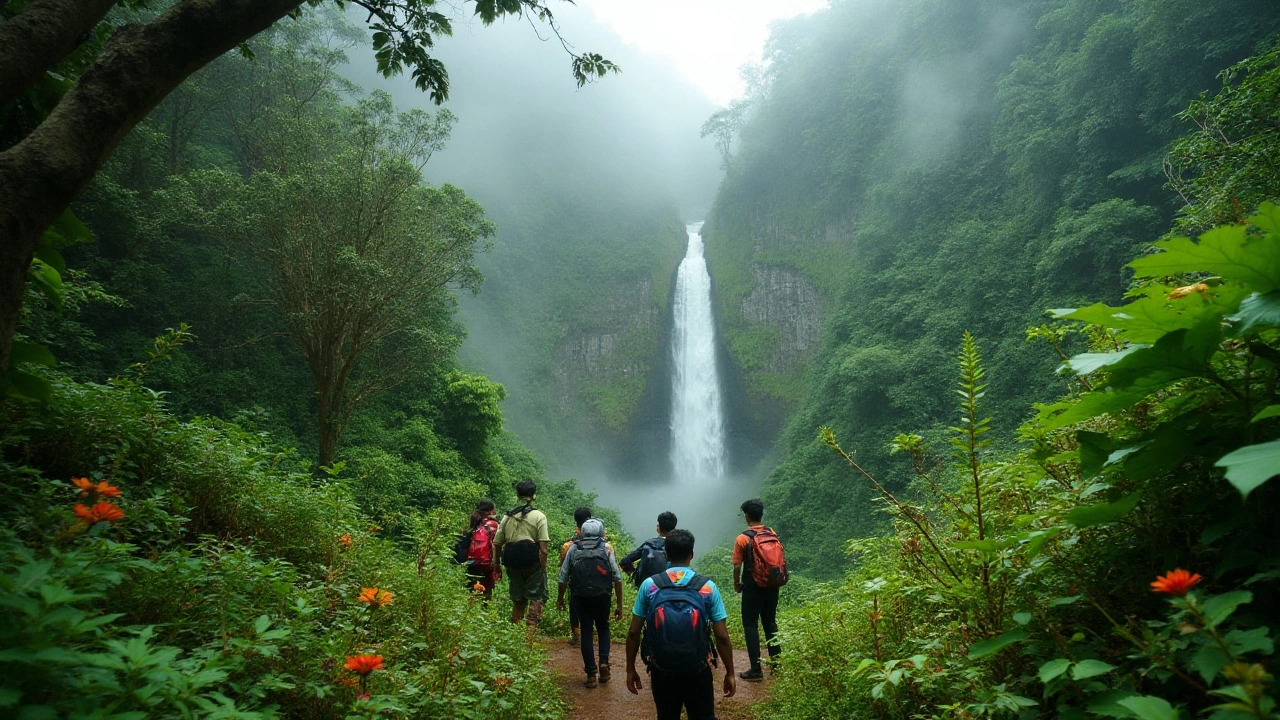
666	523
581	515
593	527
526	489
679	547
484	509
753	510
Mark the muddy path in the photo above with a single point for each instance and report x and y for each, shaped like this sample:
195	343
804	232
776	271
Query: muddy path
611	701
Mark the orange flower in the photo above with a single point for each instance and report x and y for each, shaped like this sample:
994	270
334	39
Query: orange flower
100	512
375	597
89	487
478	587
1175	582
345	539
1185	290
364	664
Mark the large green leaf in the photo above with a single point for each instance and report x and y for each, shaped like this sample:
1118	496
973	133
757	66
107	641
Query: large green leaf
1090	515
67	230
1086	363
1086	669
45	277
1153	315
991	646
1250	466
1209	661
1147	707
1095	447
28	352
1257	312
1053	669
1269	411
1229	252
1220	607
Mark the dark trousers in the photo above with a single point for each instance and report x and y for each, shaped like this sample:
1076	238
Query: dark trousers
593	611
695	693
759	604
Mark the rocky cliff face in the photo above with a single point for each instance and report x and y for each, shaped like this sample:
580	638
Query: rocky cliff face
786	302
603	367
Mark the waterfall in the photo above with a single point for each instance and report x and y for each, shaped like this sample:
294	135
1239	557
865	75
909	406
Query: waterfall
697	416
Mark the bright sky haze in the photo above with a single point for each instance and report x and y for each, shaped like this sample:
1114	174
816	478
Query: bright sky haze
706	40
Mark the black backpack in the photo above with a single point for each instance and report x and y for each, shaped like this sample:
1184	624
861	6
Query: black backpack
461	546
653	559
677	630
591	573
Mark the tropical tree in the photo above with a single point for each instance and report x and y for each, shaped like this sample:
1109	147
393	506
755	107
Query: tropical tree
103	65
359	255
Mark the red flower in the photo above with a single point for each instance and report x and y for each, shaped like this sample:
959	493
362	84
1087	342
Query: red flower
345	539
362	696
100	512
88	487
1175	582
364	664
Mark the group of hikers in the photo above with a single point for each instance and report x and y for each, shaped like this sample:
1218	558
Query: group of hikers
678	617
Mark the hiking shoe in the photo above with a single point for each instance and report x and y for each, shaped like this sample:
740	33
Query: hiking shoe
604	673
591	681
573	641
752	675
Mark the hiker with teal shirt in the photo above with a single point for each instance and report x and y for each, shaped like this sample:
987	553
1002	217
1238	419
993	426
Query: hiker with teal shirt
590	570
679	612
521	542
651	557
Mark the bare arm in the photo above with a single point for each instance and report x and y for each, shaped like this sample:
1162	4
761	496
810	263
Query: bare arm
724	647
542	553
617	592
633	647
737	577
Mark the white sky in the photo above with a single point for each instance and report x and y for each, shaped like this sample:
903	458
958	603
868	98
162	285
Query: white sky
706	40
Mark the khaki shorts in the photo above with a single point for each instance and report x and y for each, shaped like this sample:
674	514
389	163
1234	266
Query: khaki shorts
527	584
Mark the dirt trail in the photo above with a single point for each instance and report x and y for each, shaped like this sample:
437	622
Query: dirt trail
611	701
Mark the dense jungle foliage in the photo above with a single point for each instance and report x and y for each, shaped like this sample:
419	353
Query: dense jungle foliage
178	540
935	167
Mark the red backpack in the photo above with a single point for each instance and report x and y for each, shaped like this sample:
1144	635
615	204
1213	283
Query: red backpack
768	564
481	550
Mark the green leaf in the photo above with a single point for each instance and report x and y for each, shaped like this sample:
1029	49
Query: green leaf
1070	600
1090	515
1086	363
52	258
66	230
1147	707
1220	607
1251	640
47	280
1107	704
261	624
1022	618
1086	669
1229	252
993	545
28	352
1257	312
1250	466
22	385
9	697
1209	661
1095	447
1269	411
1053	669
991	646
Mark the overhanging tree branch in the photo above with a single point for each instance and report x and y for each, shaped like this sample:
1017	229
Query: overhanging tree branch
40	36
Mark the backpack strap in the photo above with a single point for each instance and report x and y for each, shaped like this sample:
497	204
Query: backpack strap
522	511
663	581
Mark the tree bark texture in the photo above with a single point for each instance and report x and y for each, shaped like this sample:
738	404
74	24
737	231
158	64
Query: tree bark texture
40	36
41	175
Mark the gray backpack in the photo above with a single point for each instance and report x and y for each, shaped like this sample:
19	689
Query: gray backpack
591	573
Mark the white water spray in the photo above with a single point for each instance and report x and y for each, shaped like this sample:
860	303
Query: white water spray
697	415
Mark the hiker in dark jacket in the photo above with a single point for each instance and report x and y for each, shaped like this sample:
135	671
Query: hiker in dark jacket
645	560
590	570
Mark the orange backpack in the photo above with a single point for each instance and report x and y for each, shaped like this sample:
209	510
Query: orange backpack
768	564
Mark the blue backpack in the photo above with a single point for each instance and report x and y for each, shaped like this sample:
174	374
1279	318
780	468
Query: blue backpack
677	630
653	560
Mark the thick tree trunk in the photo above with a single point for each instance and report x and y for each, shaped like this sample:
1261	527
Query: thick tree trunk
40	36
42	174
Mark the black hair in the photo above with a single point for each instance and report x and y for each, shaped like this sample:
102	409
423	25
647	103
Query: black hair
667	522
754	509
679	546
581	515
526	488
483	508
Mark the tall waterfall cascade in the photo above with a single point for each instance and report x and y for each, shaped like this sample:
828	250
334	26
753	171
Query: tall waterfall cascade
697	411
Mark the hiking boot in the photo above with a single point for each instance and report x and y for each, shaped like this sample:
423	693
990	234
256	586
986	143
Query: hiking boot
591	681
574	641
604	672
752	675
